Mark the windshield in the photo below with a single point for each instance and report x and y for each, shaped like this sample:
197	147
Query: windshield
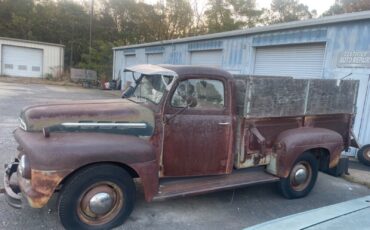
150	88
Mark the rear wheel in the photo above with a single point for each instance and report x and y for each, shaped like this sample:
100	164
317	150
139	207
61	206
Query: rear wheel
363	155
302	177
97	197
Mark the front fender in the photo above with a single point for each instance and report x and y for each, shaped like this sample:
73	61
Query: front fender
53	159
291	143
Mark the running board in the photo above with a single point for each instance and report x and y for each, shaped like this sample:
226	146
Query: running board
180	187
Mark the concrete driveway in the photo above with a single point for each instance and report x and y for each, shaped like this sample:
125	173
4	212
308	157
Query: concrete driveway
233	209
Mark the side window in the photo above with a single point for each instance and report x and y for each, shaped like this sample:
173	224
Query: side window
209	94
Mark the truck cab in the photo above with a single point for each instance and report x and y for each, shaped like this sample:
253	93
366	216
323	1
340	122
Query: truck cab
178	130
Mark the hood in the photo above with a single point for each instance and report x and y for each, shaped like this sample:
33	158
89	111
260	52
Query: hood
113	116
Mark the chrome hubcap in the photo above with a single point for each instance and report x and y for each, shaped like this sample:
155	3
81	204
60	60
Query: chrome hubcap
101	203
367	154
300	176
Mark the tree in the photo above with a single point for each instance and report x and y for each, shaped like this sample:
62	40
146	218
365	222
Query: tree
199	24
287	11
347	6
178	18
15	18
219	17
100	59
245	12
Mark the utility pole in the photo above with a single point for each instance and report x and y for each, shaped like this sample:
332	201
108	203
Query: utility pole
91	18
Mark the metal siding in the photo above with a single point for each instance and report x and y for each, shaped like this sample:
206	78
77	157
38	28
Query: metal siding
21	62
295	60
364	117
365	129
118	65
351	36
205	45
154	58
176	57
211	58
297	36
347	37
235	55
52	64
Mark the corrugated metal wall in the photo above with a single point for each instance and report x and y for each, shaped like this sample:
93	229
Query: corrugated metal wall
354	36
53	56
239	56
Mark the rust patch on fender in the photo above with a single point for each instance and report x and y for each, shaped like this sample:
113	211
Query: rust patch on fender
41	187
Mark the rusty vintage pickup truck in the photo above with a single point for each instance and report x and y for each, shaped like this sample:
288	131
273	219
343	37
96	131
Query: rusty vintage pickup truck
179	130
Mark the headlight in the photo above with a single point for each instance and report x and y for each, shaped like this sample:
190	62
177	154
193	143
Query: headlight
24	167
22	124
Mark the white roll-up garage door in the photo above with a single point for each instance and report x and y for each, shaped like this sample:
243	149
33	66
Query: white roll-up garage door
21	61
293	60
211	58
154	58
130	60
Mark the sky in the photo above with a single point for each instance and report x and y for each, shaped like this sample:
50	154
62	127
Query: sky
319	5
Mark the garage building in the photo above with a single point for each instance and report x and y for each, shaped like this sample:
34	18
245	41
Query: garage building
335	47
23	58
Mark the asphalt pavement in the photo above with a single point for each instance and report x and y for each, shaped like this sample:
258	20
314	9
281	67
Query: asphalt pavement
232	209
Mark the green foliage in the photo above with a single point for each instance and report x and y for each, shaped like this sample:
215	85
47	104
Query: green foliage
225	15
176	18
246	13
48	76
287	11
100	59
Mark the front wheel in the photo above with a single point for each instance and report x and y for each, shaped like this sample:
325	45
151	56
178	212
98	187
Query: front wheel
302	177
363	155
96	197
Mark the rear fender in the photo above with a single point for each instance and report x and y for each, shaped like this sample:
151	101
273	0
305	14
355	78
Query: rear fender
291	143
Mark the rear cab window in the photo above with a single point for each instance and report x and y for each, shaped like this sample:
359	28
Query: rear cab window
209	94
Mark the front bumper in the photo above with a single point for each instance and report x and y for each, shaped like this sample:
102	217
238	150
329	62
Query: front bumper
36	193
12	189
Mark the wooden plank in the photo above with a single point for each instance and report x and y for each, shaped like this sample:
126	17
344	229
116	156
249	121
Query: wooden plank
331	96
281	96
275	97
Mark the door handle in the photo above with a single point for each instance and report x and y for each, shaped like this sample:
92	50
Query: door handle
224	123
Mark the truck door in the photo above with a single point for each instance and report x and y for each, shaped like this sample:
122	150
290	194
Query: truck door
197	140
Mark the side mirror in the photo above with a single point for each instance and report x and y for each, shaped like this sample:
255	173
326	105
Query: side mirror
191	102
128	92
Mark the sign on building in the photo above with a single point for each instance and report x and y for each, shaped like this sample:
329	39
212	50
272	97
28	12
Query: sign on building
354	59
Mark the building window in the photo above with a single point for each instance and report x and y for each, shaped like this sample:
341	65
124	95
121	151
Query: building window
36	68
8	66
22	67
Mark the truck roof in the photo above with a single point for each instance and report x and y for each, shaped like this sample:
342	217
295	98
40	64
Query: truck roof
183	70
177	70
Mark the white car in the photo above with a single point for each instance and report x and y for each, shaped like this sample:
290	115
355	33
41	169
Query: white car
353	214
